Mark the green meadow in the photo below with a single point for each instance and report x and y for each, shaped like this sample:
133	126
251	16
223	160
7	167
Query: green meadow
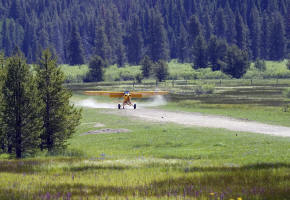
163	161
152	161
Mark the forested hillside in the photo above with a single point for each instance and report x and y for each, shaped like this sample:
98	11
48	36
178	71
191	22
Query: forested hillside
123	31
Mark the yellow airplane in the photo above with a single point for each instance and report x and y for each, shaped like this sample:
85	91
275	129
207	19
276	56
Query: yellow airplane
126	95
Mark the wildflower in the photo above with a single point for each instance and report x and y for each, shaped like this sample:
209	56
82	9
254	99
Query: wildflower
239	198
211	193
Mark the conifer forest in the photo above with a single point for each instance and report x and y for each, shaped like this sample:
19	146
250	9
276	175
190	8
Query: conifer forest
124	31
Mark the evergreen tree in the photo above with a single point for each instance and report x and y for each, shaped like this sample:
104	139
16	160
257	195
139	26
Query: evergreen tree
21	109
158	48
103	48
241	32
182	45
3	141
96	70
264	38
161	70
194	30
200	53
147	66
237	62
217	50
135	42
75	49
15	10
255	33
277	43
59	117
220	24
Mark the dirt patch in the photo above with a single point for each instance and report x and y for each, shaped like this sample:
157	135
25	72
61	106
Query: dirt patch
99	125
107	131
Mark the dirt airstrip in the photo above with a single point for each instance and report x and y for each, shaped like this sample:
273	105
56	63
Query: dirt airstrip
201	120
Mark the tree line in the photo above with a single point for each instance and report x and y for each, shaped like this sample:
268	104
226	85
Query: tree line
124	31
35	113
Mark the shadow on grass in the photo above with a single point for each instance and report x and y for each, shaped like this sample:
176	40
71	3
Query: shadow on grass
97	167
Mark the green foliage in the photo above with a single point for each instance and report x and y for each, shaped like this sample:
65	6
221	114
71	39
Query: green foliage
288	64
237	62
161	70
102	47
277	40
200	53
59	117
286	93
75	49
260	65
21	109
146	66
158	49
96	70
204	89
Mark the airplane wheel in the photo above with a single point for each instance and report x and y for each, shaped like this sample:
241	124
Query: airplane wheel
135	106
119	106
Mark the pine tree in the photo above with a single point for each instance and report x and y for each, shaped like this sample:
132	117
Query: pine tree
277	43
147	66
161	70
200	53
15	10
220	24
21	109
158	48
237	62
102	46
135	42
255	33
96	69
217	50
194	30
241	32
75	49
2	79
182	45
264	38
59	117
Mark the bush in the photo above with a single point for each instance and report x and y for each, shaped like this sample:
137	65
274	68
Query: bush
286	93
260	65
204	89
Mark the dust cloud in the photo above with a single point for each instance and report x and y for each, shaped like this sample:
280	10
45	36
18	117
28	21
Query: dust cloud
92	103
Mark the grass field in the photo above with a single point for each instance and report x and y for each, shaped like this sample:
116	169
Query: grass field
153	162
164	161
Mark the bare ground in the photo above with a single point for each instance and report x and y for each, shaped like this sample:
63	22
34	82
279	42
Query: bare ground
211	121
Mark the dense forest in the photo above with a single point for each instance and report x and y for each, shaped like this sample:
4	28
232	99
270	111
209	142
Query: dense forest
124	31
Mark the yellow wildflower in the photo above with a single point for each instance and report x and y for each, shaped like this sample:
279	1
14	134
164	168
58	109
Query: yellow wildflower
239	198
211	193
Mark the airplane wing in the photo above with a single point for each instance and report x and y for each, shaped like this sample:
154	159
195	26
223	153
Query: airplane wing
147	94
105	93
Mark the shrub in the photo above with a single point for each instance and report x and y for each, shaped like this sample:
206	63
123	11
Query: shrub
204	89
260	65
286	93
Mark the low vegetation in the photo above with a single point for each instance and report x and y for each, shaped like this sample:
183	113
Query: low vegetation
178	71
